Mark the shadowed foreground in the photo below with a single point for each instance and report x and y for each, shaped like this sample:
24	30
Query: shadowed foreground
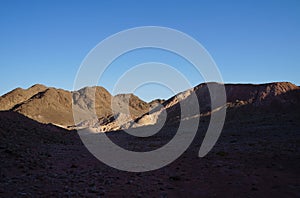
257	155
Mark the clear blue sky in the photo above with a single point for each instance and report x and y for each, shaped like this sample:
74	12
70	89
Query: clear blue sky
45	41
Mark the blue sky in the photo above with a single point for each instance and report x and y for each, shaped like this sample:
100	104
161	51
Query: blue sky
46	41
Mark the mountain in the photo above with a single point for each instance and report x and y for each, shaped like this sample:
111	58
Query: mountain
19	95
256	96
51	105
112	111
256	154
262	94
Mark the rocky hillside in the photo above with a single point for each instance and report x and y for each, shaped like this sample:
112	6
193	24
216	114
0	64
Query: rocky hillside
51	105
267	96
262	94
18	96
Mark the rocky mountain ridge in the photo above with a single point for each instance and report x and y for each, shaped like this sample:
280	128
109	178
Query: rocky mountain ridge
51	105
258	96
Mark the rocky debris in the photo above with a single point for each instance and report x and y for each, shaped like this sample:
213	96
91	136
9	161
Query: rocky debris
108	123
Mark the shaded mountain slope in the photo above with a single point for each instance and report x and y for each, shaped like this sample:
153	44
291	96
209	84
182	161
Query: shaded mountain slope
256	155
17	130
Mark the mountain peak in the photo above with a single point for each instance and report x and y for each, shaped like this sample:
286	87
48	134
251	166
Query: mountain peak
38	86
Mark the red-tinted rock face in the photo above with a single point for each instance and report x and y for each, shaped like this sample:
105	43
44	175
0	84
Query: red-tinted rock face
258	93
268	96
